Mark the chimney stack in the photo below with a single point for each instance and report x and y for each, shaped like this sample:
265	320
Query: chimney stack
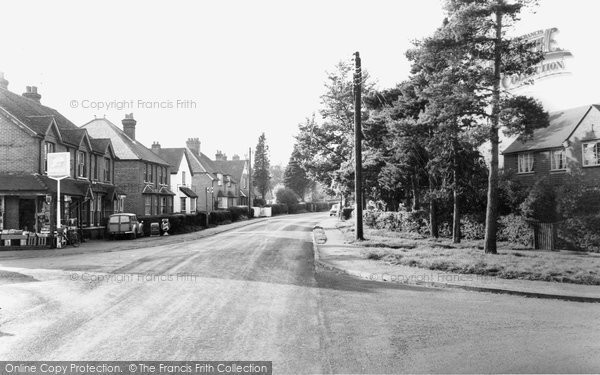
194	145
129	125
235	157
156	147
220	156
31	93
3	81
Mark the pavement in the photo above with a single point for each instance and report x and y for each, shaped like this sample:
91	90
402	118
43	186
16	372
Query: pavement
334	253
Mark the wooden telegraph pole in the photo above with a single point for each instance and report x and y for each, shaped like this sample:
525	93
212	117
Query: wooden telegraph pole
249	180
358	147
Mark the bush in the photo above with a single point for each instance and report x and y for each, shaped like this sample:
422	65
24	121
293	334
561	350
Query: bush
178	223
239	213
286	196
401	221
347	212
580	233
471	228
278	209
219	217
258	202
514	229
297	208
541	203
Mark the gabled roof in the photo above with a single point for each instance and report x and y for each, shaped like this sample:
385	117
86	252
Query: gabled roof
100	145
200	163
32	114
173	156
75	137
233	168
125	148
562	125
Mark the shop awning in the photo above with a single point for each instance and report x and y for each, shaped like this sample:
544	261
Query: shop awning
187	191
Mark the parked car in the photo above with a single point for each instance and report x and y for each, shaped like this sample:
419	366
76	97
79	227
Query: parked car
125	224
335	209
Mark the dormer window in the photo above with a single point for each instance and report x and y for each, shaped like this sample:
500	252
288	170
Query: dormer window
48	149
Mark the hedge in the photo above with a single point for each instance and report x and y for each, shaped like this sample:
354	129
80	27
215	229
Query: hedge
240	213
178	223
278	209
219	217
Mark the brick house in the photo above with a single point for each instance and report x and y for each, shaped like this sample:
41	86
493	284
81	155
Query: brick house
181	177
572	140
229	193
141	174
237	170
29	132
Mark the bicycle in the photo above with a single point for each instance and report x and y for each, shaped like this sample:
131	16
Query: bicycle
69	237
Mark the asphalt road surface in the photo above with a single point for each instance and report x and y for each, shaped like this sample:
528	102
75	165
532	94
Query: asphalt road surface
253	294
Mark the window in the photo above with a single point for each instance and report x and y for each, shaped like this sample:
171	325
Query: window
147	205
183	177
145	172
155	205
183	208
150	167
591	154
81	164
95	167
164	205
48	149
220	178
107	169
525	162
228	181
160	178
558	160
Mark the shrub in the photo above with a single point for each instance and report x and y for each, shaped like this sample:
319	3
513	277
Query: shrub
286	196
178	223
541	203
471	228
347	212
402	221
239	213
513	228
297	208
219	217
278	209
580	233
258	202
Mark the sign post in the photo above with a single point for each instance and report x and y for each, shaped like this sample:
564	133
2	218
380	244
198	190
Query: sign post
59	167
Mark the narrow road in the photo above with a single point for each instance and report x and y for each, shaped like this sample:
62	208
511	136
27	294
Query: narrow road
253	294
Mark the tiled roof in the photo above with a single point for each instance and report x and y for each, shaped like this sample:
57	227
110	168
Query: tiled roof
125	147
172	156
73	136
189	192
562	124
31	113
234	168
100	144
201	163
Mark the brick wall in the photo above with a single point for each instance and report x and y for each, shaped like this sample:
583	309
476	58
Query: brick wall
129	178
19	151
200	181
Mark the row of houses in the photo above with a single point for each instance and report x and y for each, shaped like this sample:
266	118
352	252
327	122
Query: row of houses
111	171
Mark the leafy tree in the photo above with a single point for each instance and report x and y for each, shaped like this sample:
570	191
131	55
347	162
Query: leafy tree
286	196
260	172
276	173
295	176
475	33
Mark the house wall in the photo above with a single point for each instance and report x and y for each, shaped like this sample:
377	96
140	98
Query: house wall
19	150
588	130
200	181
177	180
129	177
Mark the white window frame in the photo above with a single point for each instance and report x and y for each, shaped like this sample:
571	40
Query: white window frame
220	178
525	162
594	153
558	160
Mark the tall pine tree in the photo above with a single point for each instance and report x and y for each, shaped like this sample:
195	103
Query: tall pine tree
295	176
260	173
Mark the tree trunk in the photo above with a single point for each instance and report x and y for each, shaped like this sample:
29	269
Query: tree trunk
492	196
415	193
433	224
456	213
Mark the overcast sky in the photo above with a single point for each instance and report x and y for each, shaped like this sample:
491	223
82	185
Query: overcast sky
247	66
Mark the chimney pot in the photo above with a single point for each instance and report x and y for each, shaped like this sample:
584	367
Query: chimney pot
31	93
155	147
194	145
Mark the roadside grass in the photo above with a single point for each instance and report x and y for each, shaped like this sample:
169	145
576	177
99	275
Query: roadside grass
467	257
